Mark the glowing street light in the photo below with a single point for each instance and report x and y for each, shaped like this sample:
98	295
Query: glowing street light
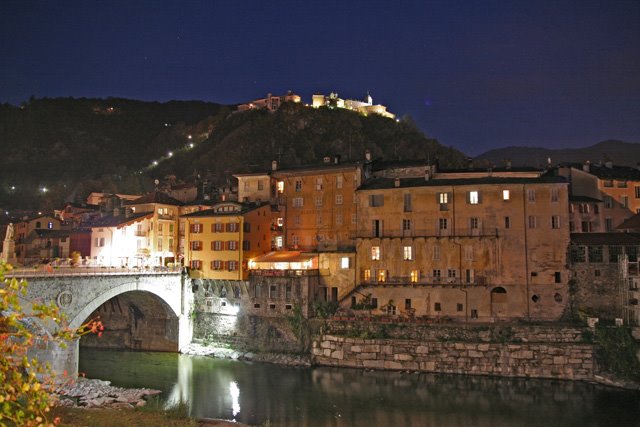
189	136
191	145
155	163
170	153
44	189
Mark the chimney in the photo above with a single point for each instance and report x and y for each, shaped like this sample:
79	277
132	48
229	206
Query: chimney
367	155
336	159
396	182
274	165
586	166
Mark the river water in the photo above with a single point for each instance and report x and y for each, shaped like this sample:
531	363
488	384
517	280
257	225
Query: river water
258	394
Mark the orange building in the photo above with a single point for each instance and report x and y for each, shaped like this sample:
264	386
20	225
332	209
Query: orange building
219	242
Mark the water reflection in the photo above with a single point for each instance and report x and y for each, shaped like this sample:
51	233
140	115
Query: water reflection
255	393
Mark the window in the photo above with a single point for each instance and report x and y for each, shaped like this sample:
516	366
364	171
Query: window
407	304
99	242
287	292
338	199
608	183
507	222
474	197
160	228
246	245
296	220
624	201
557	277
195	264
339	181
406	225
596	209
436	253
297	202
437	274
414	276
375	253
474	313
532	221
585	226
608	224
217	227
298	185
159	245
443	198
555	221
232	245
217	245
376	200
318	184
338	219
232	227
407	202
382	275
344	262
196	228
555	195
531	195
50	225
196	245
608	202
295	241
376	228
280	187
407	253
614	252
468	275
170	248
437	306
506	194
451	273
474	223
232	265
459	307
319	201
468	253
577	254
442	223
319	219
595	253
366	275
217	265
637	190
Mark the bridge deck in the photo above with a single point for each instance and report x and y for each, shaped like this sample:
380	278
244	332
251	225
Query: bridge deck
48	271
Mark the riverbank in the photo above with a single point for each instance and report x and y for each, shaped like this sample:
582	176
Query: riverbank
222	351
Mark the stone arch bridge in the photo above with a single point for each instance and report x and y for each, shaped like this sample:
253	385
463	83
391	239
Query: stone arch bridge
144	310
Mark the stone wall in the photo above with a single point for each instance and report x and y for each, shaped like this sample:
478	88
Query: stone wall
532	360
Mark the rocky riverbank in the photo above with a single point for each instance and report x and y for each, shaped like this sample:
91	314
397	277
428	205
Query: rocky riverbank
217	351
91	393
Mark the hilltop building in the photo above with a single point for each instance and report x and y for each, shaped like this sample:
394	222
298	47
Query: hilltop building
271	102
363	107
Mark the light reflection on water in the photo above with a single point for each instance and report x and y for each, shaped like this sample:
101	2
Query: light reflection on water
254	393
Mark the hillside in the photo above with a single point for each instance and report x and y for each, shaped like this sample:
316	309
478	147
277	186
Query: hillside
74	146
620	153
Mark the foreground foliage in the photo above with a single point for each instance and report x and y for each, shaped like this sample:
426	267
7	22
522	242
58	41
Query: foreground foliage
24	382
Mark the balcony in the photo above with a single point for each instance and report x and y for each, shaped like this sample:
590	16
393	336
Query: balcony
427	232
168	217
140	233
428	281
284	273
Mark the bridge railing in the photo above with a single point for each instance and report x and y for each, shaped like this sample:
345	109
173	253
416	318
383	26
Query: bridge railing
49	271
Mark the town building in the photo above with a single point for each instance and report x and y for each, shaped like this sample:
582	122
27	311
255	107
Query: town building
220	241
467	245
31	242
123	240
617	187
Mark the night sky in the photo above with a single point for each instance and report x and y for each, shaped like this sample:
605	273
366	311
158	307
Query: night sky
474	74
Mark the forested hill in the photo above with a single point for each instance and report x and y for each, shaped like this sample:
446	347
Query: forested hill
73	146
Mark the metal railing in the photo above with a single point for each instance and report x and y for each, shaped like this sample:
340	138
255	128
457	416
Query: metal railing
51	271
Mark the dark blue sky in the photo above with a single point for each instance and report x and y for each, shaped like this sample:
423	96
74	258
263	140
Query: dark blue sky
474	74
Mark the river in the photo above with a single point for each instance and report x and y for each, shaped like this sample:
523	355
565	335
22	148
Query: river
264	394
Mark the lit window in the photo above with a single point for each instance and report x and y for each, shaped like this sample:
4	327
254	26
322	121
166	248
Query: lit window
415	274
298	202
339	181
298	185
407	253
375	253
443	198
50	225
382	275
474	197
318	184
338	199
344	262
366	275
506	194
280	187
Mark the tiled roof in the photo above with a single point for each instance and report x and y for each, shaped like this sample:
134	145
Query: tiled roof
120	220
632	223
156	197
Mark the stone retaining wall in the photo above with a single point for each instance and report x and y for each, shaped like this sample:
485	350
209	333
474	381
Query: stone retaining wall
569	361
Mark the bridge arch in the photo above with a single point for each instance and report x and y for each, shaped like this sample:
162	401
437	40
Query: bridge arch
83	315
